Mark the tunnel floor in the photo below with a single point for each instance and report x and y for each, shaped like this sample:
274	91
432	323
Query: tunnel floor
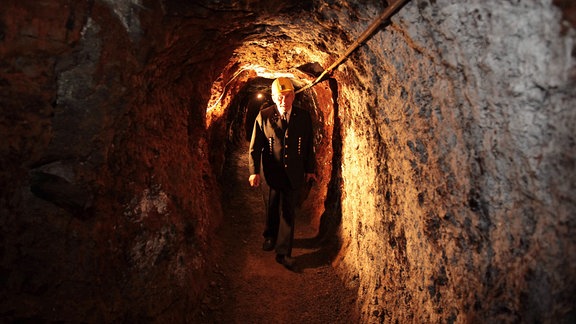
248	286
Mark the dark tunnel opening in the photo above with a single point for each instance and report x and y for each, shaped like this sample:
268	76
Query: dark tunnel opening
317	242
321	205
250	99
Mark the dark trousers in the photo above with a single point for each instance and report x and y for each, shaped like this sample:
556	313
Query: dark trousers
280	216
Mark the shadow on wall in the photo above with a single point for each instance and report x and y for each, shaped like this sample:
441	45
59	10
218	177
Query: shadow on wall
327	238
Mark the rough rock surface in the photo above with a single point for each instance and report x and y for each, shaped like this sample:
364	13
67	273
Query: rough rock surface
446	147
467	151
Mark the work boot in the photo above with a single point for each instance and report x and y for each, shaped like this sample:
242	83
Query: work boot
268	244
287	261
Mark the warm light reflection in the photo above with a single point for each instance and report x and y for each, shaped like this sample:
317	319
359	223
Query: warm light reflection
259	96
265	73
216	107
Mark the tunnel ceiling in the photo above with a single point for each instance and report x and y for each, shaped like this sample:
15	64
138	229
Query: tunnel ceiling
297	41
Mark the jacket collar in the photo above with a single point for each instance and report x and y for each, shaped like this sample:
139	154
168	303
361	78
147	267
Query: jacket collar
293	112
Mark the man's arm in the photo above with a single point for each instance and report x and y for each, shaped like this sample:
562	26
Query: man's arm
310	154
255	152
254	180
310	162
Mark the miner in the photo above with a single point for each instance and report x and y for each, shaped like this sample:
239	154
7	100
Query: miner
282	145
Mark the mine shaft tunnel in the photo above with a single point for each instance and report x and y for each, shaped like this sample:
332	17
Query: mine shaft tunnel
445	144
237	119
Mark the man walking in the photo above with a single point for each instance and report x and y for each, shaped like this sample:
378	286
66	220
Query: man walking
282	141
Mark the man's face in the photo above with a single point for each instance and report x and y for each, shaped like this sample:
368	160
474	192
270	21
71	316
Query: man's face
284	100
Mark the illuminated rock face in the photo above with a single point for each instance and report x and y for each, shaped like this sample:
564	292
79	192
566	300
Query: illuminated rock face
446	147
460	182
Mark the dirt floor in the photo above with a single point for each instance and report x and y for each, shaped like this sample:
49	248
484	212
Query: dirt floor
250	287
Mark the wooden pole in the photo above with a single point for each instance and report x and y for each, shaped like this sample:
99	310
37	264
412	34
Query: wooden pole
384	16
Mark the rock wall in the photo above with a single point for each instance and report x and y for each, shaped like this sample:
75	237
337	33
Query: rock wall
457	117
108	201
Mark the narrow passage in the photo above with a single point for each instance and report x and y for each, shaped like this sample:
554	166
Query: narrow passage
249	286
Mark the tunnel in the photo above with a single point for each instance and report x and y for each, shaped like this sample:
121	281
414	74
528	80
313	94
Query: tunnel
444	140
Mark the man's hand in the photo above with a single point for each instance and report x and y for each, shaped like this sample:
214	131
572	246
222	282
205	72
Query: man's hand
254	180
310	177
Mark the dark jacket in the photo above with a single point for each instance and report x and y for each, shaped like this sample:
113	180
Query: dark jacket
288	154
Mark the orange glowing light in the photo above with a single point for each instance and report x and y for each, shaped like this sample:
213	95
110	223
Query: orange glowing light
218	99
